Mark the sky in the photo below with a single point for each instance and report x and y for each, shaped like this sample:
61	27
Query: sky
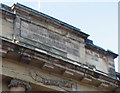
98	18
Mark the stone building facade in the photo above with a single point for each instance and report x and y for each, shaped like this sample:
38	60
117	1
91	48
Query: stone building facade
41	53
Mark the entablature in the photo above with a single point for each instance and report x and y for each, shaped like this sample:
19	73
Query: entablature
57	65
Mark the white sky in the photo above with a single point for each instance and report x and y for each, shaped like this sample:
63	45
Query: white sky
98	18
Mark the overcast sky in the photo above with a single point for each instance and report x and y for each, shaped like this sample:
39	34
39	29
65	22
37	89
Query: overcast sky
98	19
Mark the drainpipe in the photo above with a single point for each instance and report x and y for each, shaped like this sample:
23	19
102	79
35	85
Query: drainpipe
19	85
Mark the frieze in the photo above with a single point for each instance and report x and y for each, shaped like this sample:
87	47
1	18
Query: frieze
51	81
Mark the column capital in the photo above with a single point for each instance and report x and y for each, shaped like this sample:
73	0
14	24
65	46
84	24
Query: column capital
17	82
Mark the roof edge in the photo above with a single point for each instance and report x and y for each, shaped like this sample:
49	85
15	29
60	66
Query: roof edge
91	45
75	29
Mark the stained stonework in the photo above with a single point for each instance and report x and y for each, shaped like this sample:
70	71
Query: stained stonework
52	55
50	41
42	35
7	31
96	59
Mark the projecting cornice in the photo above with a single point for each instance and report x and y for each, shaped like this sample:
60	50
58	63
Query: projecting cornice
90	45
78	72
6	10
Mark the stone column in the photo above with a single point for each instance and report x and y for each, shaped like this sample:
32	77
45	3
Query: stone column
19	85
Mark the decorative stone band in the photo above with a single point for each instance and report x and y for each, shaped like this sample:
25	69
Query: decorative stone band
17	82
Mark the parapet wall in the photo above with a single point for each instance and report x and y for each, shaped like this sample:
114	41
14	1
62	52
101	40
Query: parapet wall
43	33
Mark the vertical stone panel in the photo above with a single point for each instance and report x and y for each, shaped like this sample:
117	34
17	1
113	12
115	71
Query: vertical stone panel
17	27
111	67
7	28
96	60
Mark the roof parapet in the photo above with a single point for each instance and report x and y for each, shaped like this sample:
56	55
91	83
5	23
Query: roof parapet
89	44
52	19
109	52
5	7
6	10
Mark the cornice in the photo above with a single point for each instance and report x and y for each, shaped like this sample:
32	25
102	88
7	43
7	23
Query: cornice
78	72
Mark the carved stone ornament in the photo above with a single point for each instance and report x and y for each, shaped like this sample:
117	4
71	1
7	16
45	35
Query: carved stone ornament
17	82
49	81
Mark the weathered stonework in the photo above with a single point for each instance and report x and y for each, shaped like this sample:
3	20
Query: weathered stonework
96	59
51	54
46	39
7	31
